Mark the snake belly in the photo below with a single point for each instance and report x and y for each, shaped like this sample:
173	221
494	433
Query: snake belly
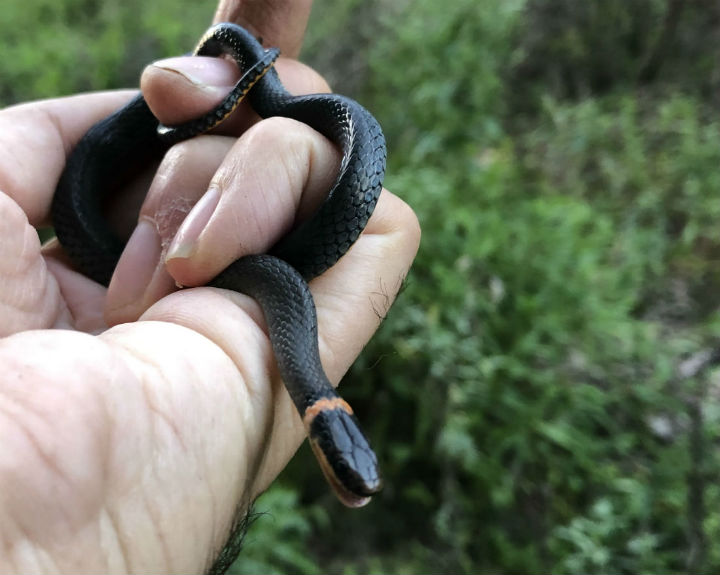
132	138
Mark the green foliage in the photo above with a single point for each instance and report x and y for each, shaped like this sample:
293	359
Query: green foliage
569	49
276	537
52	48
438	88
525	393
651	165
565	271
580	48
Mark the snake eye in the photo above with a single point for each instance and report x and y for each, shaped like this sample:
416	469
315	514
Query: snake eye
345	456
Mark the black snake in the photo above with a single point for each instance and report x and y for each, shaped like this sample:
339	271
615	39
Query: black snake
278	281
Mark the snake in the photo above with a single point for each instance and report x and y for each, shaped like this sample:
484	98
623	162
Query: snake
131	138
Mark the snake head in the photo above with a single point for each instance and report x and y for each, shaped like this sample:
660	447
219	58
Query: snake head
344	453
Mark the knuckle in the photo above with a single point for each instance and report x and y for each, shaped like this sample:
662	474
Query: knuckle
407	219
395	216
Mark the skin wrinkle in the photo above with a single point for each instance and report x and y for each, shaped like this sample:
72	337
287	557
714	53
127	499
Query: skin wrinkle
213	517
117	378
302	162
21	419
261	341
265	135
37	552
295	147
284	412
255	464
222	180
5	548
106	465
36	441
264	212
124	536
11	170
30	439
33	543
248	438
21	317
240	220
147	509
207	467
162	541
29	313
120	544
14	184
219	535
15	226
58	132
261	209
149	392
328	355
254	433
46	458
241	362
35	304
29	252
7	184
45	558
140	366
126	533
63	308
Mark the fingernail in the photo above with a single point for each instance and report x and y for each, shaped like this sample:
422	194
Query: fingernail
137	265
186	239
197	71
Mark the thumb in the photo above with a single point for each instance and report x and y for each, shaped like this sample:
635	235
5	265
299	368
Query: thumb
180	89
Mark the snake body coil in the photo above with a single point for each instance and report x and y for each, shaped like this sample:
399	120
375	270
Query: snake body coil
132	137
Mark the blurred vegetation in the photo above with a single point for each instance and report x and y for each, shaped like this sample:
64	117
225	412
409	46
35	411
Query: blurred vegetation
543	395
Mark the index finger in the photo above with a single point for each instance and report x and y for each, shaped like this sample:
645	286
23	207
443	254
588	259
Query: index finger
280	23
36	139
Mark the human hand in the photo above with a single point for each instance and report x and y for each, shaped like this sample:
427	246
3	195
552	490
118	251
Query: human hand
133	447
